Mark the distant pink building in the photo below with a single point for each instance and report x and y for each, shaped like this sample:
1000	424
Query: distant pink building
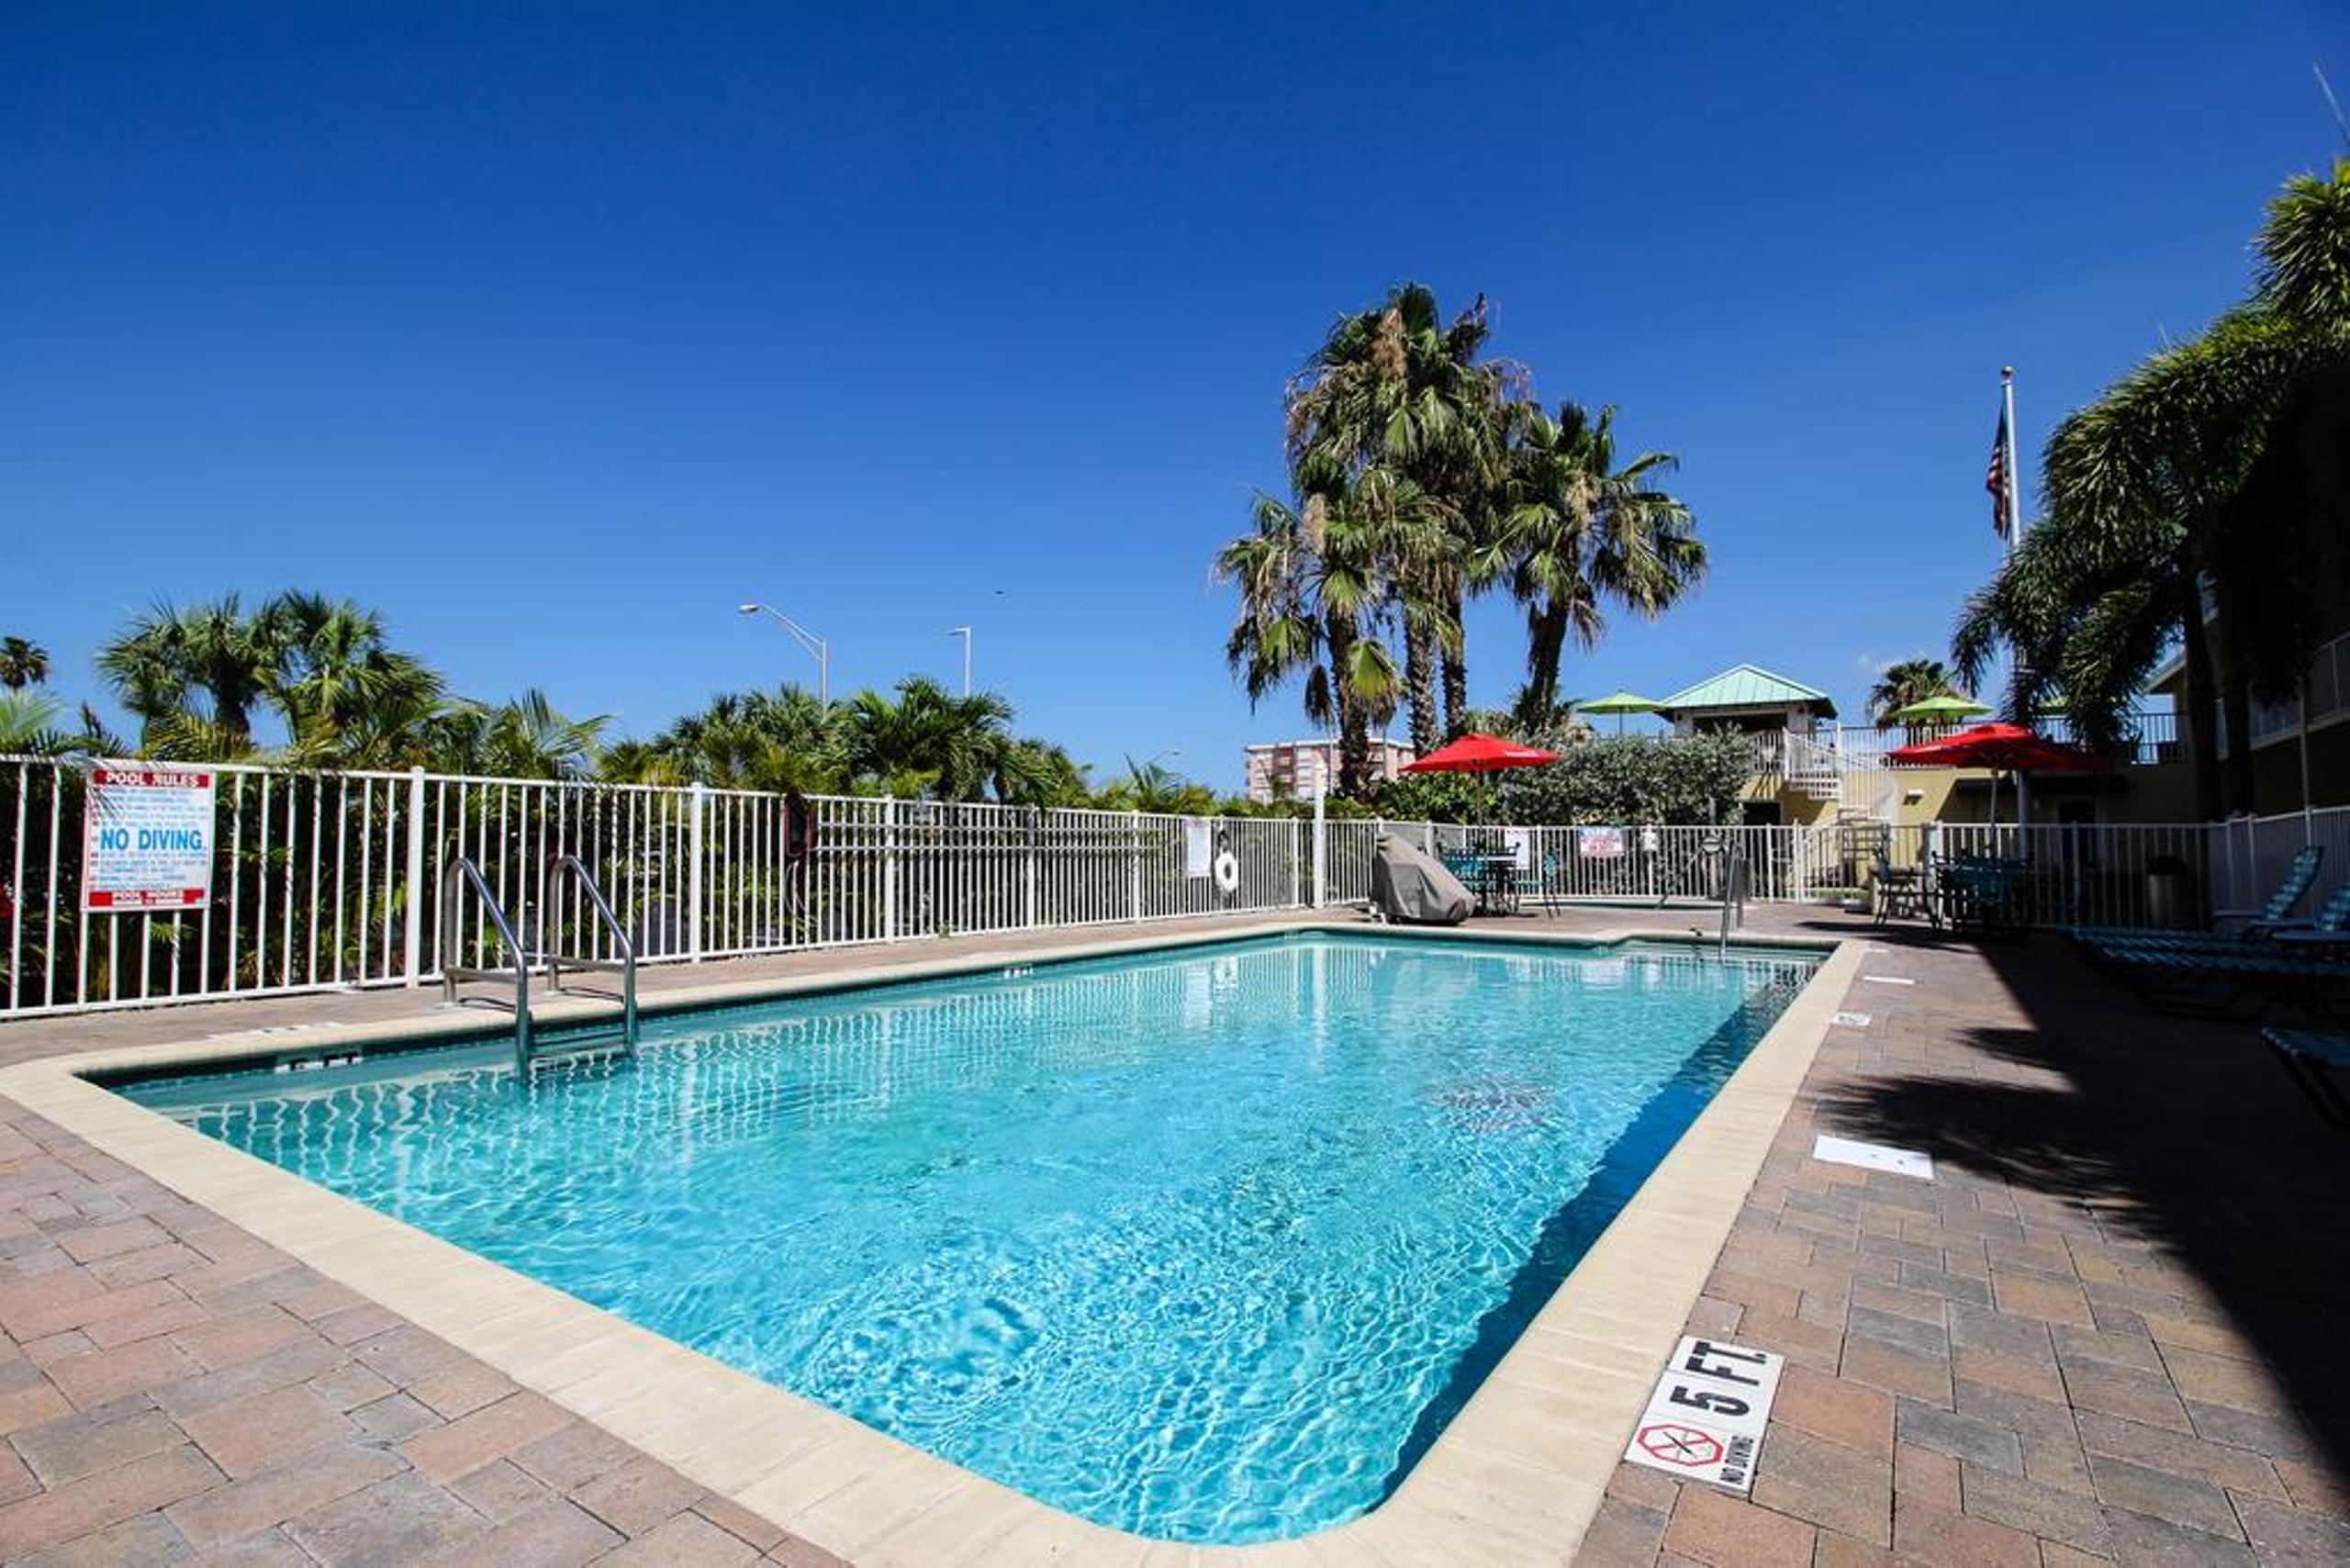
1302	770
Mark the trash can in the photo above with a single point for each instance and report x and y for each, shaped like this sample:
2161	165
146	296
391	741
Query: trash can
2167	893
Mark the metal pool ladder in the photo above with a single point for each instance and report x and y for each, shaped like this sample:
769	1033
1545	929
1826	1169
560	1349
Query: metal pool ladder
516	964
1733	897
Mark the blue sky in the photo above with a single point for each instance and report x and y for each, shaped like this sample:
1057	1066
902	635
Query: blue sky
555	332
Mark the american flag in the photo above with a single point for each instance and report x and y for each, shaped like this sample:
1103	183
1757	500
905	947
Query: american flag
2000	478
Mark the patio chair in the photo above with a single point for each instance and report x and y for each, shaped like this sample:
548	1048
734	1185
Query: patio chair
1900	892
2312	1060
1986	893
1538	883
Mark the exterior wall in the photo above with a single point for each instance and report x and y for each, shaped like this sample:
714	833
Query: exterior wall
2160	792
1302	770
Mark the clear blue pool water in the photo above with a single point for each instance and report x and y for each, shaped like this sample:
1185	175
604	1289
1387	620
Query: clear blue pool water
1207	1244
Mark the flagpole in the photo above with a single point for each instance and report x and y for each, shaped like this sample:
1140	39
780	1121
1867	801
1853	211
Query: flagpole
2015	536
2015	474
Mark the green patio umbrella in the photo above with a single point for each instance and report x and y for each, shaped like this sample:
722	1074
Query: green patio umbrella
1619	704
1947	708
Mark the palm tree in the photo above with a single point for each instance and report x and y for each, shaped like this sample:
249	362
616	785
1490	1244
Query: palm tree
22	663
1155	786
527	737
2197	473
28	725
930	741
1907	681
1399	391
1310	599
194	676
335	674
777	740
1579	531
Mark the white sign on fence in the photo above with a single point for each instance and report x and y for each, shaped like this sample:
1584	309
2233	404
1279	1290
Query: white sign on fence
1706	1420
1519	843
1199	848
146	838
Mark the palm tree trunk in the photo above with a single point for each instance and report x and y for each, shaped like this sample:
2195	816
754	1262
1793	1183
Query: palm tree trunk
1545	642
1354	724
2195	660
1419	688
1455	670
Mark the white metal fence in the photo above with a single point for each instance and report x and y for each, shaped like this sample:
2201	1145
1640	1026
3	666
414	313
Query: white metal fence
323	880
326	880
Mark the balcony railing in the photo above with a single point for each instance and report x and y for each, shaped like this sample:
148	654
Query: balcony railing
2152	738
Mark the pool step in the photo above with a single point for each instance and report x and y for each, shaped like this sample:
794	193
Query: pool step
568	1049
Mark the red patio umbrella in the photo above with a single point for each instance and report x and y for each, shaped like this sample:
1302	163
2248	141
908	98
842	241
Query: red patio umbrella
2009	748
1474	753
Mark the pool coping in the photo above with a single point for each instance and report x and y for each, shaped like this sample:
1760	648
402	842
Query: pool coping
1517	1476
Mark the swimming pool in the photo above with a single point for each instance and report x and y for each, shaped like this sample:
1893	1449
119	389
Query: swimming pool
1206	1243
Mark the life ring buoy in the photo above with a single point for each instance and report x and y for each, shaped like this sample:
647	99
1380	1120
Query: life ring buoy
1227	873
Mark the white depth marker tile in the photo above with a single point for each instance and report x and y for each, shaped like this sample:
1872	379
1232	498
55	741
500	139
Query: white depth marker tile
1873	1156
1888	980
1705	1422
1851	1020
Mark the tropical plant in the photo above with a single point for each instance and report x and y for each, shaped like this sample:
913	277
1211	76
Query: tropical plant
1399	391
1906	681
785	739
28	724
192	677
1579	532
527	737
22	663
1632	778
197	677
1439	798
2175	501
1310	599
331	672
1155	786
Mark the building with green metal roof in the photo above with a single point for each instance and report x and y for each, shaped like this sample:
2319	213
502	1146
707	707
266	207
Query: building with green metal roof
1747	697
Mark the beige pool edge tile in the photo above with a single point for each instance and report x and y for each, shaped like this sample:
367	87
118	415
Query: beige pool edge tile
1517	1477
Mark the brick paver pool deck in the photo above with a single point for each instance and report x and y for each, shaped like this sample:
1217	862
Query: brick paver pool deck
2112	1326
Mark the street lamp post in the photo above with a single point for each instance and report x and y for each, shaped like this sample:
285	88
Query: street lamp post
964	632
806	639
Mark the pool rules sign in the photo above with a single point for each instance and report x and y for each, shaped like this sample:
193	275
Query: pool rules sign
146	838
1705	1422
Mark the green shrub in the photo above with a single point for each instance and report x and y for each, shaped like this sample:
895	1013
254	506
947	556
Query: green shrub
1666	780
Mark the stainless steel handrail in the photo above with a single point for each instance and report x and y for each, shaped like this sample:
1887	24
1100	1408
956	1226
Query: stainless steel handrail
1733	897
461	870
624	965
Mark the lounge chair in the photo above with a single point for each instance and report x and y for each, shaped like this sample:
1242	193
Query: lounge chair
2214	983
2311	1059
2277	911
2312	938
2299	877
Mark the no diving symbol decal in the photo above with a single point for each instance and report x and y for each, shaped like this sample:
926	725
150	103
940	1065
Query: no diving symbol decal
1679	1445
1706	1419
